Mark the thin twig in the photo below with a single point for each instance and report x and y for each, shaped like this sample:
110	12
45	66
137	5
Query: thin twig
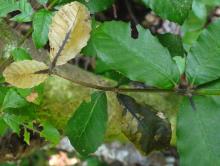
115	89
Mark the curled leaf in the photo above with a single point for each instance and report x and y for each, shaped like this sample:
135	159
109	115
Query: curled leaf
69	32
25	74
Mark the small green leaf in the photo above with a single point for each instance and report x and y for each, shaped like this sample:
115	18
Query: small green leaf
143	59
86	128
26	11
50	133
173	10
20	54
13	100
202	64
41	22
198	131
27	136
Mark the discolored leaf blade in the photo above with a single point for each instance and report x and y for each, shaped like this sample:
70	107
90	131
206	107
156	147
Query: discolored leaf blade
142	125
143	59
23	74
86	128
69	32
198	131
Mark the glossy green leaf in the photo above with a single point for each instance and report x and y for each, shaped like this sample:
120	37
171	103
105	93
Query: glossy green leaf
143	59
211	88
86	128
198	132
20	54
41	22
173	10
203	61
50	133
13	100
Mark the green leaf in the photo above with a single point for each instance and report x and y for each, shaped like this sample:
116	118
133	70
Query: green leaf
3	126
173	43
198	132
143	59
23	6
27	136
7	6
86	128
173	10
26	11
13	100
203	61
13	122
194	23
43	2
3	92
41	22
50	133
181	63
20	54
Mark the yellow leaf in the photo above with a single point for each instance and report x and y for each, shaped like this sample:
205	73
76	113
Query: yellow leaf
23	74
71	26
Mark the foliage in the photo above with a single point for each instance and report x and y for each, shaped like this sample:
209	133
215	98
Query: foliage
187	66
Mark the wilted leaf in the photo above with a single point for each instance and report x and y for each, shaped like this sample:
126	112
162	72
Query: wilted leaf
23	74
143	126
69	32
